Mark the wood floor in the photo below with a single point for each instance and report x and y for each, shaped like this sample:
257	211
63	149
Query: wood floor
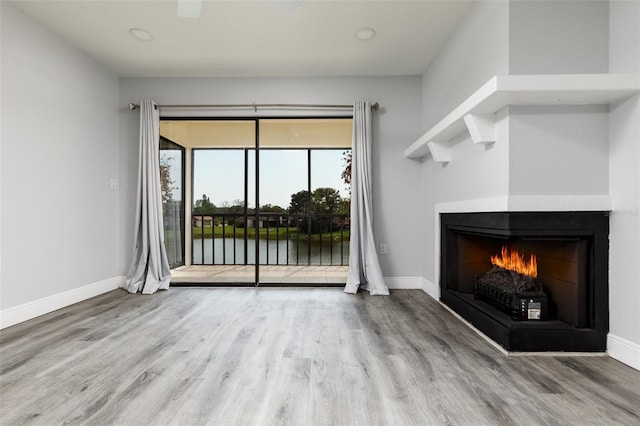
269	274
246	356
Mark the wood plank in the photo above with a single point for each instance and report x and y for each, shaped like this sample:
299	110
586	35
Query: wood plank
290	357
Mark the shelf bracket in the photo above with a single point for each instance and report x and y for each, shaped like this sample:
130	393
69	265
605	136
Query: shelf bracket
440	151
482	127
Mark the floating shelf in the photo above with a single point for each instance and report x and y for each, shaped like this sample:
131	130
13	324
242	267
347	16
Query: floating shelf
477	113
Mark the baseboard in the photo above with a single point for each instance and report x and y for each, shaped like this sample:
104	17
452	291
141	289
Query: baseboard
624	351
413	283
430	288
30	310
403	283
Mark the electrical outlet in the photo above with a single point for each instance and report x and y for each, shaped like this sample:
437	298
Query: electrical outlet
114	183
383	248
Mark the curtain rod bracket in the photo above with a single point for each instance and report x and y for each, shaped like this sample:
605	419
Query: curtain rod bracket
133	106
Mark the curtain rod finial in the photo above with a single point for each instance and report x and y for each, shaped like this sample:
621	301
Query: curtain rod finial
375	106
133	106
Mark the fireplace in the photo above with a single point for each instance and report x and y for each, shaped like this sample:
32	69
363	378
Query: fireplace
561	306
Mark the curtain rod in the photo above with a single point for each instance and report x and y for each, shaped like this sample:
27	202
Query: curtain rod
374	107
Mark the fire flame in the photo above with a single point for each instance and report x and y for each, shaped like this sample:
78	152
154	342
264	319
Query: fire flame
514	261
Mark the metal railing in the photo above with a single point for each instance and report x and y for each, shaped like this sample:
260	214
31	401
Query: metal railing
282	239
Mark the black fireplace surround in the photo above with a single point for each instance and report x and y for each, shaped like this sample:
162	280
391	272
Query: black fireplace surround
573	256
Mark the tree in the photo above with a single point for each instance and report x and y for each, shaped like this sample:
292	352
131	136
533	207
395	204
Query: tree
299	202
268	208
347	158
325	201
344	206
237	206
166	183
204	206
346	171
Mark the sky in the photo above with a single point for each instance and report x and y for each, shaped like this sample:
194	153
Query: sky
220	174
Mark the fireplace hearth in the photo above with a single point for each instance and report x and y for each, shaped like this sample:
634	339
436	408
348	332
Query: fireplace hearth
531	281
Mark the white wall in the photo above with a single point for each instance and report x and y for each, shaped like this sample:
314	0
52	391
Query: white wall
624	181
560	150
477	51
396	209
59	151
541	32
474	53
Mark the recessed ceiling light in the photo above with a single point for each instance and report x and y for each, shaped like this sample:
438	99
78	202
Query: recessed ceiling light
140	34
365	34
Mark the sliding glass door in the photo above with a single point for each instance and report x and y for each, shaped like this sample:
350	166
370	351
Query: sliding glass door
269	202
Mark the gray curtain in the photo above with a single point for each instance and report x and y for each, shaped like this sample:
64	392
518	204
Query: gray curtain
149	270
364	267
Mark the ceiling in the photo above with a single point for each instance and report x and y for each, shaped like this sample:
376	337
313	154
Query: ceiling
254	38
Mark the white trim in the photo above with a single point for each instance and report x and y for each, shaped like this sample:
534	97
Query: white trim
532	203
560	203
495	204
35	308
431	289
403	283
624	350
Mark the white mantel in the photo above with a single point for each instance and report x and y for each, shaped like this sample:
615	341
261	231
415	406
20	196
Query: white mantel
477	112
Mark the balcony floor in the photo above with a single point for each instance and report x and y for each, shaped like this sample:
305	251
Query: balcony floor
269	274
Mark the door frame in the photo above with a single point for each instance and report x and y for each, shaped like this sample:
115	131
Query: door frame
189	167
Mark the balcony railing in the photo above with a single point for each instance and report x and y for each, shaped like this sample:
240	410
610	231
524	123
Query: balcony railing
282	239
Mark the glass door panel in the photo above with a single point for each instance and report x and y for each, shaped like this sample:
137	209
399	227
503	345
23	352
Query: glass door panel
304	235
223	219
330	204
306	133
283	208
172	188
